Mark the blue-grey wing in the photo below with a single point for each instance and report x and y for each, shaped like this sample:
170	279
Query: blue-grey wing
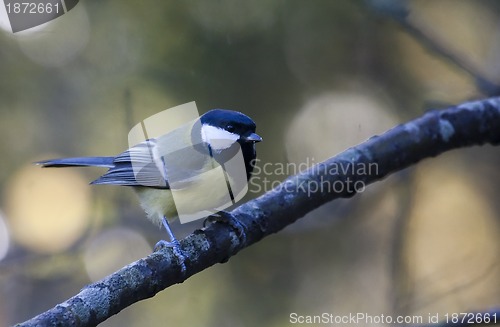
141	166
135	167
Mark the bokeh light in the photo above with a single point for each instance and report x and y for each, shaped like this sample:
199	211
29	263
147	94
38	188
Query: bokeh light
60	41
47	209
333	122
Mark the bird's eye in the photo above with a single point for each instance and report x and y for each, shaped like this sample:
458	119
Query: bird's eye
230	128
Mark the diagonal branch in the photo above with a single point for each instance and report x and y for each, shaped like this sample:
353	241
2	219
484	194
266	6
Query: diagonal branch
399	11
472	123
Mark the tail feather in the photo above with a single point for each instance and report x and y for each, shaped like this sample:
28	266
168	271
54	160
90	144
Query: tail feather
79	162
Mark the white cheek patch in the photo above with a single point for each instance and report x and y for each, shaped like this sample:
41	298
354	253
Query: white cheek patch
218	138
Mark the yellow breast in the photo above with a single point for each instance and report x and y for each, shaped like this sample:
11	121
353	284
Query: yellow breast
207	192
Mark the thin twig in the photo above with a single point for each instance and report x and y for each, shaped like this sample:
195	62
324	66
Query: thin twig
399	11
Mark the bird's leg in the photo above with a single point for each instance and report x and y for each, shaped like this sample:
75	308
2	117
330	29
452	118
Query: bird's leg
226	217
171	235
174	244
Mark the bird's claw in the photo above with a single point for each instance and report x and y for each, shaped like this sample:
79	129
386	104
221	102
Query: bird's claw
176	249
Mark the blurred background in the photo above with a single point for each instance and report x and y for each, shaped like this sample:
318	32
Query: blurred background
317	77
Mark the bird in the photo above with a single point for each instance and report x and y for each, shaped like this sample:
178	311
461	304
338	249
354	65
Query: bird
182	168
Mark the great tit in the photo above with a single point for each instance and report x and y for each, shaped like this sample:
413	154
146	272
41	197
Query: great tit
179	168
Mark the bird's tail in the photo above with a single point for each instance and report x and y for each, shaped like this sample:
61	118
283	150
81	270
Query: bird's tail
79	162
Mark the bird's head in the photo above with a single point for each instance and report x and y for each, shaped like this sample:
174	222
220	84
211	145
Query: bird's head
222	128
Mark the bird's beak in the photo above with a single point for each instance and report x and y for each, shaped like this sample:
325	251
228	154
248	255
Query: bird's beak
252	138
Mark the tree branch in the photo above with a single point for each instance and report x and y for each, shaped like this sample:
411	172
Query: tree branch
472	123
